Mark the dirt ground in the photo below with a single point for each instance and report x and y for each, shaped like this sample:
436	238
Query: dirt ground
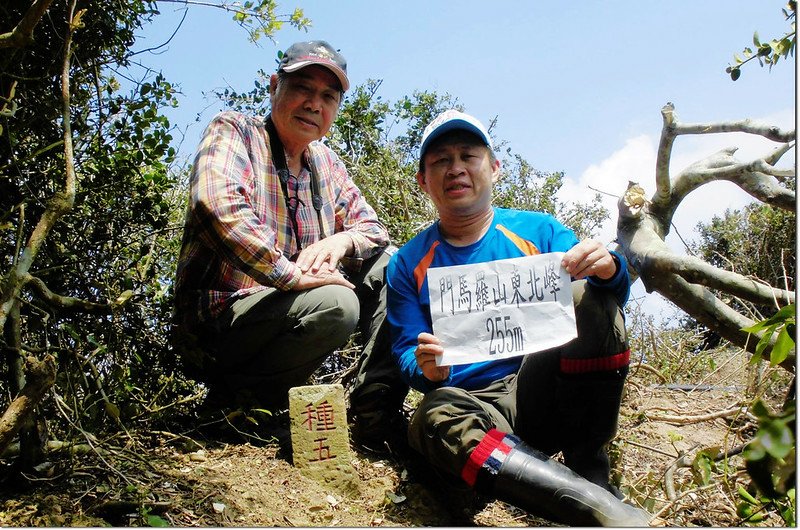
166	479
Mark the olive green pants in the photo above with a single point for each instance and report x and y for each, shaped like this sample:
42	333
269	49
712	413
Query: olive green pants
450	422
273	340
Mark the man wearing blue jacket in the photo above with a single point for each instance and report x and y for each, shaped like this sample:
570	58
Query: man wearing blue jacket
496	423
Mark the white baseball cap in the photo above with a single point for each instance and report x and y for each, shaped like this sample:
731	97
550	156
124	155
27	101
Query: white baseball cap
451	120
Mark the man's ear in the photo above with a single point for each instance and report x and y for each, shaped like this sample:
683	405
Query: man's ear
273	84
421	180
495	171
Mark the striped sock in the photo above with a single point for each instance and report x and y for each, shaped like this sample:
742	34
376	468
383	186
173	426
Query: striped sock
610	363
489	455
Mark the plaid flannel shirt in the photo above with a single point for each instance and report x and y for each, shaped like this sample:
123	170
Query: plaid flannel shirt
238	230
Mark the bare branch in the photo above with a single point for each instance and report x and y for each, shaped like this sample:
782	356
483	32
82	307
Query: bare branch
64	303
757	177
698	271
643	224
746	126
683	419
668	135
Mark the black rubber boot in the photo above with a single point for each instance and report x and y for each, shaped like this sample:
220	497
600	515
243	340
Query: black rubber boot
589	412
532	481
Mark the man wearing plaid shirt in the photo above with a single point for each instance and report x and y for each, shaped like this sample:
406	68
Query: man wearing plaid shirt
261	300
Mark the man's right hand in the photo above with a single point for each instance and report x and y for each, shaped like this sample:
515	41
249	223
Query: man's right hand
428	347
309	280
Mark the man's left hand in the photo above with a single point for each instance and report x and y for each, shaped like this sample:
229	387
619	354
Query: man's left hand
325	254
589	258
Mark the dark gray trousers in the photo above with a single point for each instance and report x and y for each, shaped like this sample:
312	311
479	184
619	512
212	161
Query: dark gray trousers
273	340
450	422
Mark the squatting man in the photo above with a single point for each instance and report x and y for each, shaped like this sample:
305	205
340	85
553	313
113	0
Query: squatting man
261	296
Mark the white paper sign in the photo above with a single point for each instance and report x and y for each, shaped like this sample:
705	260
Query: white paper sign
499	309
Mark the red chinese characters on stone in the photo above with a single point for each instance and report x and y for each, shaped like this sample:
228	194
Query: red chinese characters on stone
323	450
320	418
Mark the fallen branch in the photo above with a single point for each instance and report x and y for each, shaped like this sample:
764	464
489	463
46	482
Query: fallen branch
687	493
647	368
686	420
669	481
189	443
54	446
116	509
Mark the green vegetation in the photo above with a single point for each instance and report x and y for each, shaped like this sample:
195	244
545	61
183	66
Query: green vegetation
768	53
91	211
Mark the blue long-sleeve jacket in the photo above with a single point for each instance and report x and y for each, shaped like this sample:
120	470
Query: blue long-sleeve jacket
513	234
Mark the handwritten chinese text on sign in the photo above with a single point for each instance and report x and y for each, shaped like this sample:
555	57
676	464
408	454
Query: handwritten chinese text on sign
503	308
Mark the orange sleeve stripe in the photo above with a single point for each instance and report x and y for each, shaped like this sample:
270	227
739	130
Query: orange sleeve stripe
421	270
527	248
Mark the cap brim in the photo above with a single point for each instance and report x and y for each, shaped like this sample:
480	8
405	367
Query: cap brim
453	125
338	72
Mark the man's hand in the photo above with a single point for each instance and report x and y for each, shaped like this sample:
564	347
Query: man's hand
322	277
428	347
589	258
324	255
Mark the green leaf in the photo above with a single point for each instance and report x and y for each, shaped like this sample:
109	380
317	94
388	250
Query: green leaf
776	438
764	342
756	42
122	298
702	465
786	313
112	410
156	521
744	494
760	410
783	345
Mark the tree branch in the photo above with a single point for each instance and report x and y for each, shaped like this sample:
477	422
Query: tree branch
59	204
39	377
746	126
22	34
698	271
643	224
710	311
756	177
64	303
683	419
668	134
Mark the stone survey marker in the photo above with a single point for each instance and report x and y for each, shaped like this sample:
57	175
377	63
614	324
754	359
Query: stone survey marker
320	440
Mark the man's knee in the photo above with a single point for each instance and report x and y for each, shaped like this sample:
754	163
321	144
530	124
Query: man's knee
599	319
335	308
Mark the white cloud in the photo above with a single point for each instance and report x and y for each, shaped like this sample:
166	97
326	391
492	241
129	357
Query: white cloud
634	161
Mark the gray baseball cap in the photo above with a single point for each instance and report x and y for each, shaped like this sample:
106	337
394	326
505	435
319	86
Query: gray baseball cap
302	54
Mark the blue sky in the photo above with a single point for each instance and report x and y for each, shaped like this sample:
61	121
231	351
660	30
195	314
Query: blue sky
576	86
